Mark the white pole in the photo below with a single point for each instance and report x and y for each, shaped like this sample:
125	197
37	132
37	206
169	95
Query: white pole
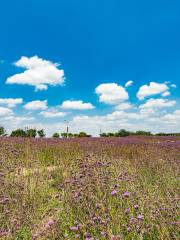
67	128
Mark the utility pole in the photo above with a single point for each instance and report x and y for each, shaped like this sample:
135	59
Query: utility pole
67	128
100	132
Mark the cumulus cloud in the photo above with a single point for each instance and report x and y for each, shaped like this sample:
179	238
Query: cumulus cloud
11	102
52	114
123	115
36	105
152	89
147	112
173	118
146	120
76	105
173	86
158	103
5	112
111	93
165	94
129	83
38	72
124	106
15	120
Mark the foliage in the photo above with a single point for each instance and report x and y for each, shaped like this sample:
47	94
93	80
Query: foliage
2	131
167	134
31	132
18	133
64	135
41	133
83	134
56	135
143	133
125	133
74	135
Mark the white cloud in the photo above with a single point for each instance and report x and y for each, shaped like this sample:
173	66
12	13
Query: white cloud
52	114
15	120
5	112
112	122
147	112
36	105
129	83
165	94
124	106
158	103
111	93
76	105
153	89
11	102
146	120
173	86
39	73
173	118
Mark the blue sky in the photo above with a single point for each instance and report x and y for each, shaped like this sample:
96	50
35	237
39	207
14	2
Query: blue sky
96	43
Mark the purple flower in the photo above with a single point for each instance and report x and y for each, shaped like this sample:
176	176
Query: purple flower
104	234
126	194
77	194
87	235
49	224
175	223
136	206
74	229
140	217
4	200
114	192
133	220
127	210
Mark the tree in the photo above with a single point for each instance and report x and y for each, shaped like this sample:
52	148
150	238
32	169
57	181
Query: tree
56	135
70	135
31	132
102	135
64	135
123	133
143	133
18	133
2	131
41	133
76	135
82	134
110	134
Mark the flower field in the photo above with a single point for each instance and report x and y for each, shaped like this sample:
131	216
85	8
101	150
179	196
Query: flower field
89	188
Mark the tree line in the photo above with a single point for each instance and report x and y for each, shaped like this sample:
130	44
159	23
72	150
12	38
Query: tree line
32	132
125	133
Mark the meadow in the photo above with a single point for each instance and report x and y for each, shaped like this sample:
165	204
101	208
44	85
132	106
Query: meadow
89	188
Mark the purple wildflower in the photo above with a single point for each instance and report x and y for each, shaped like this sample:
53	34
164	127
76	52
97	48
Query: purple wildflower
49	224
136	206
114	192
126	194
74	229
140	217
127	210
